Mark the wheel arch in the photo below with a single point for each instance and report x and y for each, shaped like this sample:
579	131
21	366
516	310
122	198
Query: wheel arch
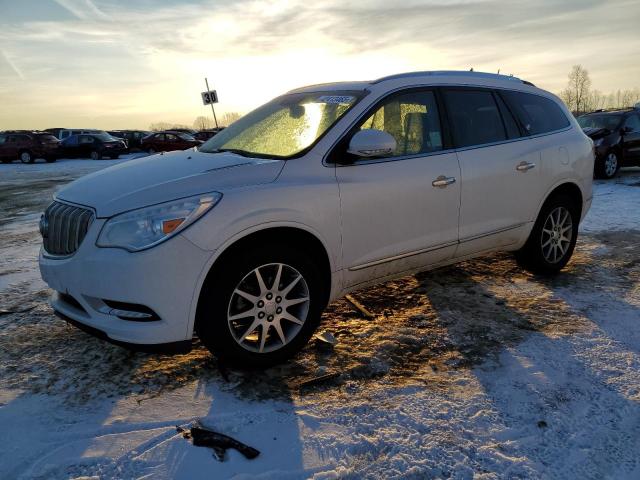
569	188
310	241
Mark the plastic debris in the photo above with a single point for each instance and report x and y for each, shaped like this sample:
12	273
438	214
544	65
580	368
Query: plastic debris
218	442
327	337
361	308
317	380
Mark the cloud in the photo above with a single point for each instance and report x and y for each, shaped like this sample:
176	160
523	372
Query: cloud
82	9
9	66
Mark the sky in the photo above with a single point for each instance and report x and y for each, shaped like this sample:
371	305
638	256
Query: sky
127	63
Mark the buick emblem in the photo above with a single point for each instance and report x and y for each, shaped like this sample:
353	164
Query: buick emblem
44	226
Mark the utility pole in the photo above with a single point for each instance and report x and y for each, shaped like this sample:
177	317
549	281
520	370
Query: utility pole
212	109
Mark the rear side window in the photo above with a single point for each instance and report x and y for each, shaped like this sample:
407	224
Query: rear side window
474	117
537	114
412	118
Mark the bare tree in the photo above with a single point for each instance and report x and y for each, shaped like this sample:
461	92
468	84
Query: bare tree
159	126
202	123
229	117
577	93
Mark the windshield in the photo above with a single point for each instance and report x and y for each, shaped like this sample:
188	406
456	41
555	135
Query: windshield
600	121
284	127
105	137
184	136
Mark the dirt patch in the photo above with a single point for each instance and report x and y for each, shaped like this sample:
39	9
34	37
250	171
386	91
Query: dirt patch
424	325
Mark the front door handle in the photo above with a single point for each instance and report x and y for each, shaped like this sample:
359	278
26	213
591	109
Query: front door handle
443	181
524	166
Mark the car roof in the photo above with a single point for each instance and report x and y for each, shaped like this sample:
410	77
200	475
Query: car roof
424	77
616	111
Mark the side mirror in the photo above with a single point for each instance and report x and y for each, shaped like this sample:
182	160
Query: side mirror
372	143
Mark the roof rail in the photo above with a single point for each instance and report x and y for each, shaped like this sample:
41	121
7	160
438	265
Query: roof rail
456	73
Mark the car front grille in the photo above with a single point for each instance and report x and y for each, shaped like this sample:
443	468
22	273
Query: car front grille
63	227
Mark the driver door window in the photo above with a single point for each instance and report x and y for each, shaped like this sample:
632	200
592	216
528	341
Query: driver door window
412	119
633	122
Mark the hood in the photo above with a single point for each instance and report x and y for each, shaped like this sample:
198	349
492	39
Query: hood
595	133
165	177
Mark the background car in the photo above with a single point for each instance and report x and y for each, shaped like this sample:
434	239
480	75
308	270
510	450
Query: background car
169	141
616	137
133	138
94	146
205	135
67	132
188	131
26	146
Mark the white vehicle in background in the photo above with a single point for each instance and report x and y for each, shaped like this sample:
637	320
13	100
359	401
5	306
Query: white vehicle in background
67	132
324	190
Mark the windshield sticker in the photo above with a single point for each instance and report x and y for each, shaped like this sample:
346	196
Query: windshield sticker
338	99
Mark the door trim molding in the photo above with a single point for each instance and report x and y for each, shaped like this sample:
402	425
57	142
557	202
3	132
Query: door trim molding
431	249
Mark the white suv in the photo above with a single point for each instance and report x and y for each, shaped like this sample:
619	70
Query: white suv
322	191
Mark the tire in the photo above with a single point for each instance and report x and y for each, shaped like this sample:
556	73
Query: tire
95	155
219	302
548	248
608	166
151	151
26	157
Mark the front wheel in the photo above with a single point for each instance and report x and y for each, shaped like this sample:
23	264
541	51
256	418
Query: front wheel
607	166
151	151
261	307
553	237
95	155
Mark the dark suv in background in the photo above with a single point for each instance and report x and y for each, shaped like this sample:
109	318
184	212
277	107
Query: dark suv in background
26	146
94	146
616	137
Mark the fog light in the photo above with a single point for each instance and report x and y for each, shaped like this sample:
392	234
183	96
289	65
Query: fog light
129	315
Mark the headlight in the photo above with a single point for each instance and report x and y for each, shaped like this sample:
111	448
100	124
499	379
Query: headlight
598	142
146	227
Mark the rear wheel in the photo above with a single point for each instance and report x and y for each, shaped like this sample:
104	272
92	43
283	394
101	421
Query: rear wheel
26	157
151	151
95	155
553	237
261	307
607	166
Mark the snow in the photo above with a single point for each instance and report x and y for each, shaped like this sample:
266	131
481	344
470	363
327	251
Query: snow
479	370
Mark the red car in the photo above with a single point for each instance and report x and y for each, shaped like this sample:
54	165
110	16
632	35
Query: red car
26	146
168	141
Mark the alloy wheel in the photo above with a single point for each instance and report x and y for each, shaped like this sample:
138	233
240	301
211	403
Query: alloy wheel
95	155
557	233
25	157
611	164
268	308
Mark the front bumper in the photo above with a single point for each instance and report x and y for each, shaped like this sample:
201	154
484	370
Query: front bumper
114	151
164	278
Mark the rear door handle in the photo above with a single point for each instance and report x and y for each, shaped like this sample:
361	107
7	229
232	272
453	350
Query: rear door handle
443	181
524	166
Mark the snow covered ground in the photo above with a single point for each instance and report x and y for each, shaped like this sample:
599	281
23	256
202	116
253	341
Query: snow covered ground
479	370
